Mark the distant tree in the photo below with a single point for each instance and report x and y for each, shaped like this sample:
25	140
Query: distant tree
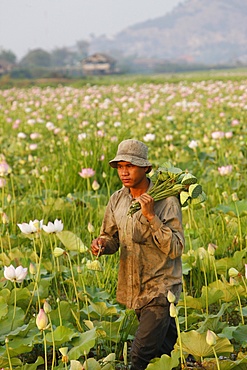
36	58
61	57
83	48
8	56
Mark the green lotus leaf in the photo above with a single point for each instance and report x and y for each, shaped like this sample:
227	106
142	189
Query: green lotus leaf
101	309
165	362
91	364
195	344
225	364
71	241
234	209
6	323
3	308
82	344
229	292
240	335
228	332
61	335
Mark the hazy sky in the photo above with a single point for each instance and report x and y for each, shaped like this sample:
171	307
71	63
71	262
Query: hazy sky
29	24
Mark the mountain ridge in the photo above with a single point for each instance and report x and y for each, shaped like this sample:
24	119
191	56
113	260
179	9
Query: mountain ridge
198	31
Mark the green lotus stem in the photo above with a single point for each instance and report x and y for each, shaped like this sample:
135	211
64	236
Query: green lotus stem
77	321
180	342
244	283
33	292
59	312
185	305
206	285
14	312
74	284
45	349
53	342
85	295
190	226
216	358
14	218
239	227
7	350
240	305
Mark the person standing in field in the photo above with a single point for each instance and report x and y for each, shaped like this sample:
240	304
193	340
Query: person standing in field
151	243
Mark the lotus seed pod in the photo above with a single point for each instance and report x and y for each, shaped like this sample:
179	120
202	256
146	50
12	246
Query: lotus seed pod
195	190
184	196
189	179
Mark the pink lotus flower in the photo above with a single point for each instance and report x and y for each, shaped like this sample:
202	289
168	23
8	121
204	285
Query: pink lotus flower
86	173
218	135
225	170
42	320
5	169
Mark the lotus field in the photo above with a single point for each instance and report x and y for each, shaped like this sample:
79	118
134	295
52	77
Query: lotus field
57	301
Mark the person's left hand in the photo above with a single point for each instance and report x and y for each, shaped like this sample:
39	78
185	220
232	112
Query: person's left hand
147	206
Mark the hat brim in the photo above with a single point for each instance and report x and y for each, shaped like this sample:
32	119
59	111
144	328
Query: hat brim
140	162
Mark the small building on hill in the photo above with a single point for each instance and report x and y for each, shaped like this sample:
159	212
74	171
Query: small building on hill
98	64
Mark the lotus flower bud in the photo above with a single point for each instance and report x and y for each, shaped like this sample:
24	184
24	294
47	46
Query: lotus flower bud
47	307
32	268
58	252
90	228
173	310
5	219
235	197
233	272
171	297
42	320
211	338
95	185
211	249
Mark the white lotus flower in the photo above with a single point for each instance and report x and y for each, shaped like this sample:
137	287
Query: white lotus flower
31	227
55	227
17	274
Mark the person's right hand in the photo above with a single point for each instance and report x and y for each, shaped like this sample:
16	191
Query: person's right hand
98	246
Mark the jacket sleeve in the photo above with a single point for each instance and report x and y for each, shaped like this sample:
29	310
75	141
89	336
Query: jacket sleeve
109	230
166	228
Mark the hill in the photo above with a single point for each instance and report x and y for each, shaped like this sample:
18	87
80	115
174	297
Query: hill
196	31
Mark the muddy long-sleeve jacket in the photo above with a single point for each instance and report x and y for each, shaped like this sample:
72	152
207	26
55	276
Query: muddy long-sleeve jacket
150	252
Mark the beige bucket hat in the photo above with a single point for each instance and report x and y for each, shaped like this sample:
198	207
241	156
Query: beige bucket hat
132	151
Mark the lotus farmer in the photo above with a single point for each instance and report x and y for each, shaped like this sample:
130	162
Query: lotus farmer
151	243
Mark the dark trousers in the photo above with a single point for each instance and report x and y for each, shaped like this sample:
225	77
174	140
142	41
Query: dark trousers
156	333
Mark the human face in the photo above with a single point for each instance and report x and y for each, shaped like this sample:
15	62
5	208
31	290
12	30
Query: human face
132	176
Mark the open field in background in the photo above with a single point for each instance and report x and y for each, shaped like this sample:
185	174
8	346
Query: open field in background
56	142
